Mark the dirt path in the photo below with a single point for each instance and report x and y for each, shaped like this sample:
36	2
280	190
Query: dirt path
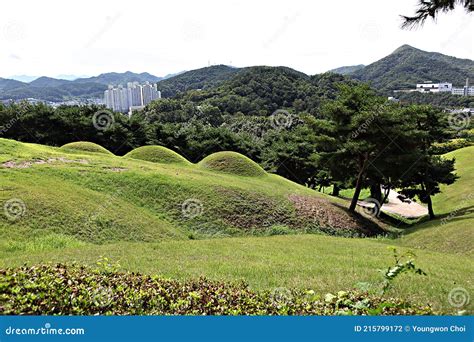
396	206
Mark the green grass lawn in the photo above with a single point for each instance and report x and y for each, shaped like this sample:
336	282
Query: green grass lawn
322	263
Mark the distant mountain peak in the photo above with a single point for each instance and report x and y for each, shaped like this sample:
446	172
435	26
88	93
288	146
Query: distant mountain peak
23	78
405	47
407	66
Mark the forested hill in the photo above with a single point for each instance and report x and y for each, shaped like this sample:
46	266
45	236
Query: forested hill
6	83
261	90
203	78
347	70
407	66
403	68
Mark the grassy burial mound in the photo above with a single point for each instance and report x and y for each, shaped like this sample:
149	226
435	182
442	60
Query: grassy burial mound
85	146
233	163
90	203
157	154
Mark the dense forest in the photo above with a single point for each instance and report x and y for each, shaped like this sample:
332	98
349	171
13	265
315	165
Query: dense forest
203	78
444	100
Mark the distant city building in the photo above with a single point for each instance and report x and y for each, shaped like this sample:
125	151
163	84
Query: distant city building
434	87
465	91
445	87
150	93
135	96
467	111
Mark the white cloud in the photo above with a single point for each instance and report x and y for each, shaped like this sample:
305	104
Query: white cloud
90	37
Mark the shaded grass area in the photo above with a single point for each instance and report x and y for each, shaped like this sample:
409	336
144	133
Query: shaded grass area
321	263
453	230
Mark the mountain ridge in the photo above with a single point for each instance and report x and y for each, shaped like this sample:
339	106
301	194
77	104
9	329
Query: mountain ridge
406	66
403	68
54	89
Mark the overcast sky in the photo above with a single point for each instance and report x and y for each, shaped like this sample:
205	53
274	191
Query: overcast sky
91	37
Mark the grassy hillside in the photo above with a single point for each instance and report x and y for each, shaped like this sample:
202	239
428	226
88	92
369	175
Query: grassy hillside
453	231
97	197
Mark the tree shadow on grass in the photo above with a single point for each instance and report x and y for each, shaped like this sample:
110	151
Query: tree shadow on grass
371	225
454	216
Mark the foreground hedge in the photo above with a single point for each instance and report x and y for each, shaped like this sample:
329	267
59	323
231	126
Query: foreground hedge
73	290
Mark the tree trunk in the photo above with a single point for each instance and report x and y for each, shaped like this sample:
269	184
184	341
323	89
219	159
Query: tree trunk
430	207
428	201
355	198
335	190
360	176
375	192
386	193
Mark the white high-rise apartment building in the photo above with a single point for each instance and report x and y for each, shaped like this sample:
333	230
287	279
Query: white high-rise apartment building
135	94
150	93
121	99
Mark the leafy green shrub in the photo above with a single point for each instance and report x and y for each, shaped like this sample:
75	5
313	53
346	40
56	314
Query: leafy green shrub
280	230
157	154
74	290
454	144
232	162
469	135
85	146
404	263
